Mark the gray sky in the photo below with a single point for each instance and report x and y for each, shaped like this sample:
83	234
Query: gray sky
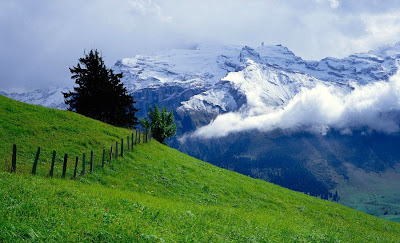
40	39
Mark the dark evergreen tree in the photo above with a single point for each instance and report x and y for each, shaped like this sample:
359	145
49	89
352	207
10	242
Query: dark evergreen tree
336	197
161	123
100	93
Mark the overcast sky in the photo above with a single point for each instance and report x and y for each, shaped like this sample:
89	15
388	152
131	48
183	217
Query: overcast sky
40	39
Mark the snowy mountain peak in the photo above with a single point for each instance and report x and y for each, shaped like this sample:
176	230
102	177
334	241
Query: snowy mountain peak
248	53
48	97
213	79
386	51
278	51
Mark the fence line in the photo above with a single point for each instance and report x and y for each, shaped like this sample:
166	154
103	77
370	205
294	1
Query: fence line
53	160
35	162
116	150
91	161
76	166
122	147
14	159
104	155
83	164
65	166
146	137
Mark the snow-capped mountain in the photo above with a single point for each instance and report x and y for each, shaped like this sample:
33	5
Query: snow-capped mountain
221	79
49	97
273	75
206	82
216	79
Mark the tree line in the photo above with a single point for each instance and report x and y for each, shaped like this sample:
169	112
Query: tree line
101	95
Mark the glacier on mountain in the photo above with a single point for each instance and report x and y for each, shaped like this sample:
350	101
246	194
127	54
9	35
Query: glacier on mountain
273	107
205	81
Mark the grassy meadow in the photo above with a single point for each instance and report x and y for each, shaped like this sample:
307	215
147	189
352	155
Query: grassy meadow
153	194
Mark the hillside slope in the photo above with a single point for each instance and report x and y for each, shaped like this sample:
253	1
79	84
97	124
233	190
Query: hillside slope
153	194
312	126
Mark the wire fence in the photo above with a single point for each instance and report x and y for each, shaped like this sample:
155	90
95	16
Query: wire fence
87	166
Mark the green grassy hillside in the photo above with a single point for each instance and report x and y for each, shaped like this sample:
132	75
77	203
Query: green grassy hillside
153	194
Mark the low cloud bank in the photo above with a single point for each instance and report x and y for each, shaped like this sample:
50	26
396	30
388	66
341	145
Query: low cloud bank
374	107
41	39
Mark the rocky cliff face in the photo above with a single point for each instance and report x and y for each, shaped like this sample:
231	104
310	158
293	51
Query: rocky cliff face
206	81
218	79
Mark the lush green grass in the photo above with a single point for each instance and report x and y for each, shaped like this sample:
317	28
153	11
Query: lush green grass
153	194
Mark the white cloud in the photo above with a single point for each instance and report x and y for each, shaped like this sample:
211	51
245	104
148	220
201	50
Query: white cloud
334	3
41	39
375	107
148	7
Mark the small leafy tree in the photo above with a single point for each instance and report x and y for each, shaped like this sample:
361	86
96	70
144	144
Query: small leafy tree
100	94
161	123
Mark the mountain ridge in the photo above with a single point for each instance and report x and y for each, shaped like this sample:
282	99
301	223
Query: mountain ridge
202	83
201	68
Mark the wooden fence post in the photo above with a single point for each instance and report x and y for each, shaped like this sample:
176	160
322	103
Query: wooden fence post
116	150
104	155
150	134
76	166
111	153
91	160
132	143
122	147
139	134
83	164
135	136
35	162
129	147
53	160
65	165
14	159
